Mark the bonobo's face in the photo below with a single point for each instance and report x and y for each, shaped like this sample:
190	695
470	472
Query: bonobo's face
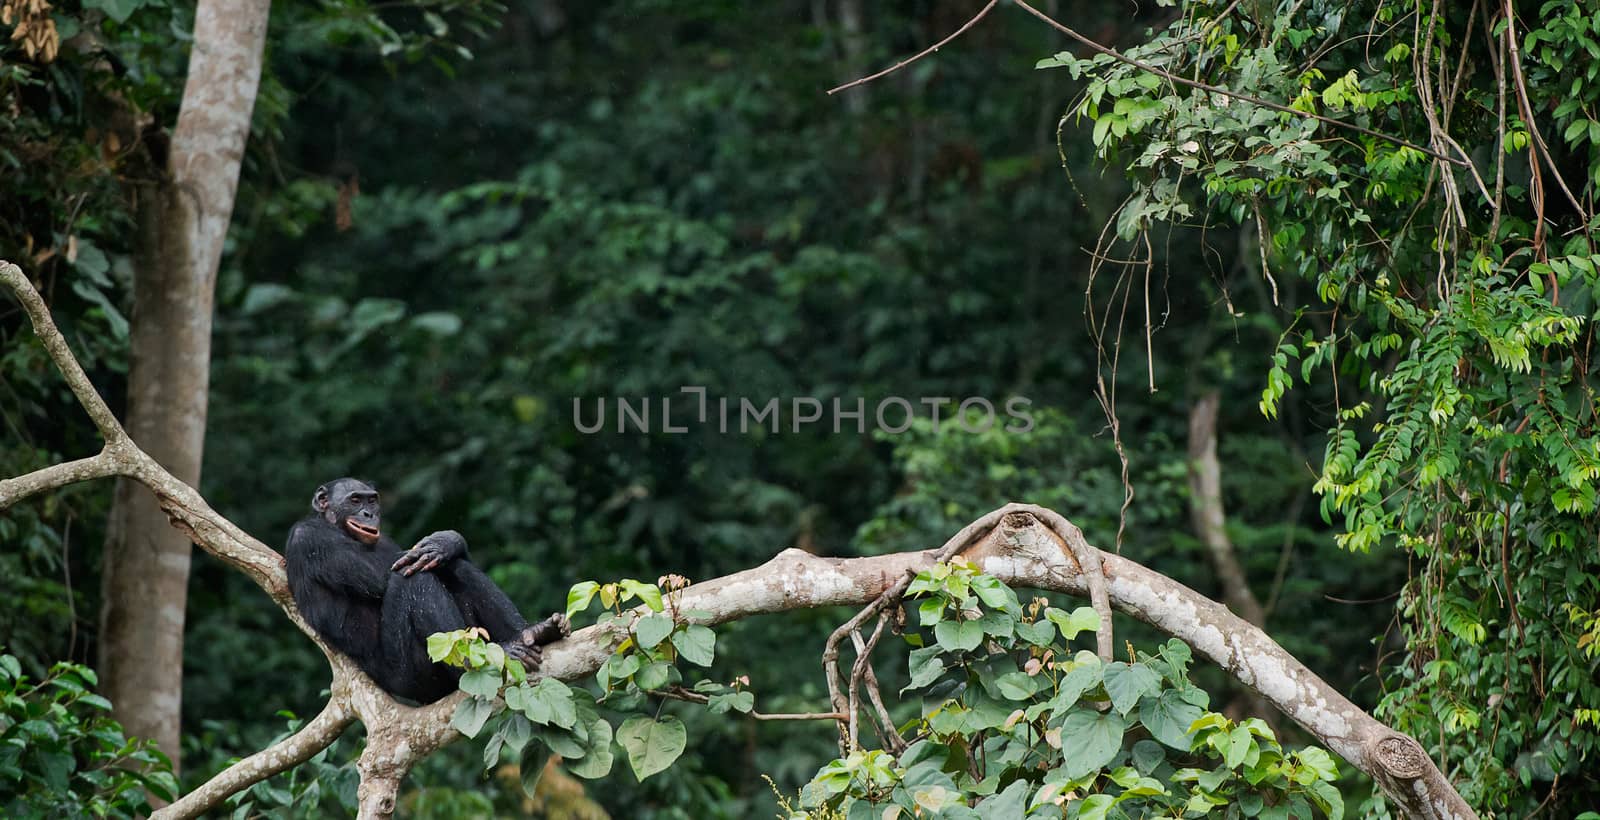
350	505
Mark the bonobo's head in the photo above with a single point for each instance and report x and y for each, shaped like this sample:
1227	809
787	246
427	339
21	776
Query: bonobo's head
351	505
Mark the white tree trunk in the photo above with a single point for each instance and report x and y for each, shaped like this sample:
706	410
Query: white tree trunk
183	222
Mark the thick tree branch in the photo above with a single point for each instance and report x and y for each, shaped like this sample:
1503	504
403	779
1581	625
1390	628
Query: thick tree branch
293	750
101	465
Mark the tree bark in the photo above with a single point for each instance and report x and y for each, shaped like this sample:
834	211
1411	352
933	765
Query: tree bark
182	222
1205	510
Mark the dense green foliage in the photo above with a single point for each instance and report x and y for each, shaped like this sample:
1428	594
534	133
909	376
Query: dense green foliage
1455	308
61	754
1023	726
626	198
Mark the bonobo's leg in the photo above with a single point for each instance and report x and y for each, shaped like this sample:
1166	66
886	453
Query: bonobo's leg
481	601
415	607
485	605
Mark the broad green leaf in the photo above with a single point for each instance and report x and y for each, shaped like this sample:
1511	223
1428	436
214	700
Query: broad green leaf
1082	619
736	701
652	745
1168	717
579	596
653	676
1011	804
652	630
962	636
926	666
597	763
1127	683
697	644
440	645
1090	740
483	683
1017	685
649	593
1095	806
534	758
470	715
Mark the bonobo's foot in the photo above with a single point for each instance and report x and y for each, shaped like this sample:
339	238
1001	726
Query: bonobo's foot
528	646
552	629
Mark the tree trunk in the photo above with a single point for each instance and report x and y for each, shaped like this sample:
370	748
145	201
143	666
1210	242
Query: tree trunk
182	222
1205	510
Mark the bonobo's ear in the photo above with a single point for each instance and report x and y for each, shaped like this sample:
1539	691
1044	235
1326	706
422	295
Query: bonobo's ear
319	501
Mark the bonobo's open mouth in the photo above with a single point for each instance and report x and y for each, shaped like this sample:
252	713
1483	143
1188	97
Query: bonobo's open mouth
361	531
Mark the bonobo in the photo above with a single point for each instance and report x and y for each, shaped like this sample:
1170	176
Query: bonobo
378	603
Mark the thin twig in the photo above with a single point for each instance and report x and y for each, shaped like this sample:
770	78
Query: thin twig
1170	77
925	52
687	696
1514	61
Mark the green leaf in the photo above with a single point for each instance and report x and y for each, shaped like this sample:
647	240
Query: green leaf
1090	740
470	715
1095	806
995	595
649	593
562	742
1168	717
1011	804
1240	741
736	701
959	636
653	676
579	596
652	745
556	696
597	763
118	10
652	630
1017	685
534	758
1038	633
1147	755
925	667
483	683
439	323
1328	799
697	644
1080	620
1127	683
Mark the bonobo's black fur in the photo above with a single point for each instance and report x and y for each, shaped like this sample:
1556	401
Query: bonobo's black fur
378	603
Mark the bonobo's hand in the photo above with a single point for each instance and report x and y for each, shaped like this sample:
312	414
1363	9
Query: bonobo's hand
441	547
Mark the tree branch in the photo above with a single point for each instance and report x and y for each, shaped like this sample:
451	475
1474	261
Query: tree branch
988	7
293	750
101	465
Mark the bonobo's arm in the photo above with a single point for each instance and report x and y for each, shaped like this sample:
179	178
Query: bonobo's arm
439	548
320	554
